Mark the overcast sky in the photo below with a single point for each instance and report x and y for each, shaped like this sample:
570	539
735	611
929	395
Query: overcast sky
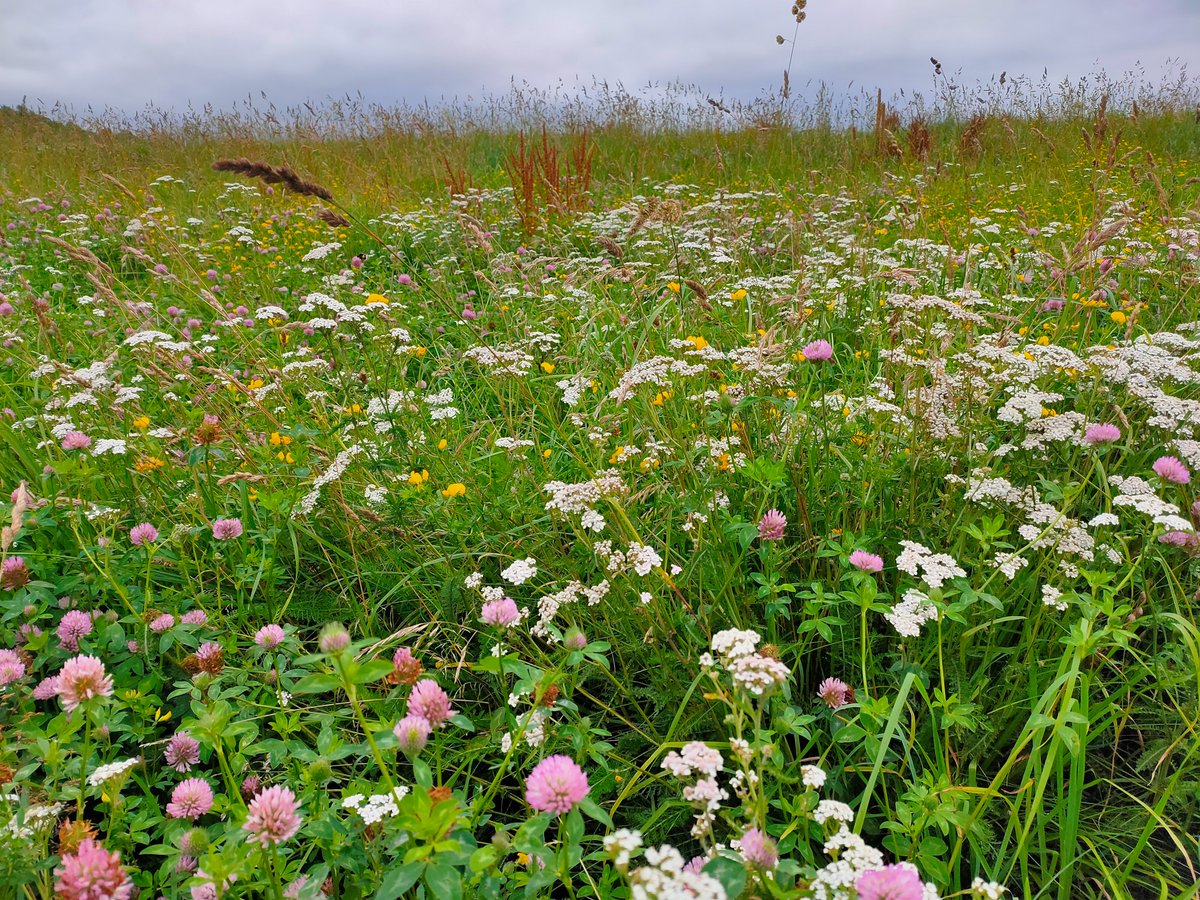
127	54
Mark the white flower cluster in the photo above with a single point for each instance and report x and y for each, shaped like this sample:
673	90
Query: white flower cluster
1052	596
833	810
1137	493
693	757
376	807
549	604
111	770
664	878
640	558
621	846
935	569
758	674
987	890
657	370
441	405
913	611
582	497
520	571
512	443
734	643
501	360
335	471
37	817
572	389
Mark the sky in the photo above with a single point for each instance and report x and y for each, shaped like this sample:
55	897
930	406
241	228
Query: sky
130	54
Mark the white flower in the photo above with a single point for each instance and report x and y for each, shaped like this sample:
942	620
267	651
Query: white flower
758	674
813	777
832	809
1052	596
913	611
520	571
732	643
103	773
622	845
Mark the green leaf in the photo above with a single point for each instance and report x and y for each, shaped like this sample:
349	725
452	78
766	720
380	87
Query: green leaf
730	873
594	810
375	670
574	827
444	882
422	774
316	684
398	880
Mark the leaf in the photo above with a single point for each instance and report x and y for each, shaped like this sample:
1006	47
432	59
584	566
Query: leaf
594	810
444	882
375	670
574	827
730	873
316	684
422	774
398	880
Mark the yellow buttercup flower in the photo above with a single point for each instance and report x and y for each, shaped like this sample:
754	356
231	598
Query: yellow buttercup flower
547	367
443	444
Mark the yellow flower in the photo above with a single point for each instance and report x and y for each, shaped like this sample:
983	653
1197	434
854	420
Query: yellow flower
698	342
160	716
739	294
458	489
443	444
417	479
661	397
148	464
547	367
377	298
285	457
546	453
417	351
1119	317
141	423
616	456
255	384
354	409
673	287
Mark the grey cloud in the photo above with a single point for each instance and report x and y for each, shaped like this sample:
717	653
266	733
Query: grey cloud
130	53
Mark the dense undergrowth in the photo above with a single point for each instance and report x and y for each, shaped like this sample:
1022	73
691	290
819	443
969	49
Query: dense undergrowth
809	492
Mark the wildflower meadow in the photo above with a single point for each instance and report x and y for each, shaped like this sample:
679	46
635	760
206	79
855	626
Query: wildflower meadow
655	507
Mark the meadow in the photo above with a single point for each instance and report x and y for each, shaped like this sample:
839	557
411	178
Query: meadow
659	499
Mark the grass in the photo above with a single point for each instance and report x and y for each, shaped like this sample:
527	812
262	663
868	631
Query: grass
387	407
